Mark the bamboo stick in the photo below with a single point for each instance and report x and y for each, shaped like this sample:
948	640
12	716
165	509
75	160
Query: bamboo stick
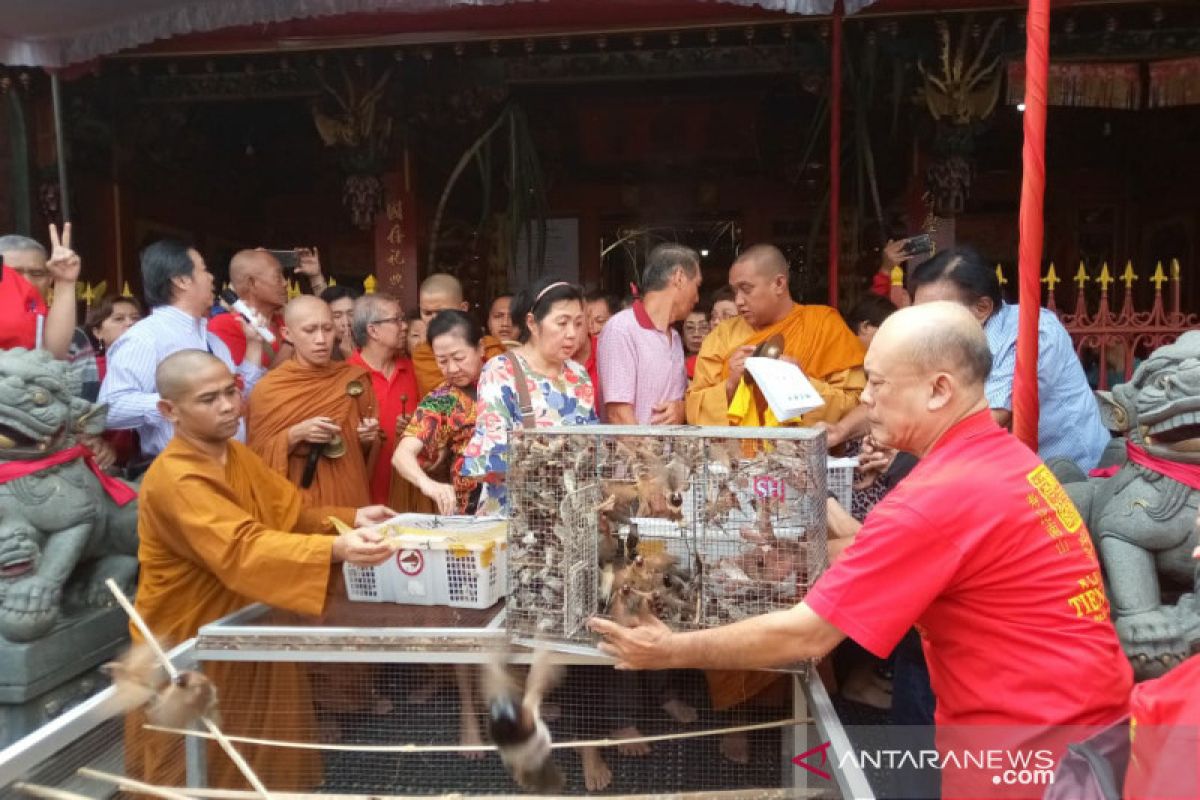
481	748
161	654
47	792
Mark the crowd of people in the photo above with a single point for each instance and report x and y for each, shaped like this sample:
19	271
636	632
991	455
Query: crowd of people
251	431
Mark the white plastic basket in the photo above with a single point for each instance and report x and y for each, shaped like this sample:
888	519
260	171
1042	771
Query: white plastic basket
439	561
840	480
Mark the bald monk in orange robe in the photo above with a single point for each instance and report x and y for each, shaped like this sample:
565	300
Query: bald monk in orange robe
440	292
815	337
312	400
219	531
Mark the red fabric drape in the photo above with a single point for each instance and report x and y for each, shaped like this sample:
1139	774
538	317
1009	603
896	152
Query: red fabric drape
835	151
1033	187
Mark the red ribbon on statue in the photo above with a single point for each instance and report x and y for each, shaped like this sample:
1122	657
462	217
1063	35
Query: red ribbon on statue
121	493
1187	474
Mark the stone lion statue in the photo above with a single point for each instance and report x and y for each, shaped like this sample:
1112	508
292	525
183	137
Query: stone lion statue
1143	517
62	533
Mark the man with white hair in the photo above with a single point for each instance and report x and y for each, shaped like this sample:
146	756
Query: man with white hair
26	278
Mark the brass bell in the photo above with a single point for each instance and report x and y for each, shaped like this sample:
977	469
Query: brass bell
335	447
771	348
354	388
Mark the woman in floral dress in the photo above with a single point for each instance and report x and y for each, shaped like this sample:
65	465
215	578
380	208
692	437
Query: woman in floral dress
551	321
430	452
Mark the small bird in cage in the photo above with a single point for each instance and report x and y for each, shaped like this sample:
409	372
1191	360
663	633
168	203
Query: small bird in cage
515	723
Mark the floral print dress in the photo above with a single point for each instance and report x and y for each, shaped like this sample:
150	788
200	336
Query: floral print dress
568	399
444	422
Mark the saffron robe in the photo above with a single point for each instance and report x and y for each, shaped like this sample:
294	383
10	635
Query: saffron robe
215	538
429	376
816	337
294	392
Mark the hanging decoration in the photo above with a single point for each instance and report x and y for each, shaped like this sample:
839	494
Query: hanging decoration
1083	85
1175	82
960	96
361	135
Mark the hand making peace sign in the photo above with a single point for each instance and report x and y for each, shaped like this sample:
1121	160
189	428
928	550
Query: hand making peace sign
64	263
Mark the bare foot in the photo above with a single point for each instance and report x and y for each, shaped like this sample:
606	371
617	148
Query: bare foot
680	711
632	748
596	774
735	747
468	733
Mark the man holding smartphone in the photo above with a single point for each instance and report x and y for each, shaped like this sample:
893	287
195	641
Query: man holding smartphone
257	278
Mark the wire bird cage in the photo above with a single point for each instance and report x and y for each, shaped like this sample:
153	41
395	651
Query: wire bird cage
700	526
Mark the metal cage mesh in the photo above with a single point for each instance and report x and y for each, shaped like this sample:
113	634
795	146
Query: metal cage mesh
701	527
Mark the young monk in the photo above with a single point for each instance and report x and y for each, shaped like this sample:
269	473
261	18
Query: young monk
220	530
441	292
312	401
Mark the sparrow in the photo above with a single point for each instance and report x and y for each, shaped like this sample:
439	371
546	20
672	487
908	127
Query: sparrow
516	726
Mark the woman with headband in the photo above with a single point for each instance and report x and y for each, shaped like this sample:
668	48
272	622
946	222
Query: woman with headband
550	321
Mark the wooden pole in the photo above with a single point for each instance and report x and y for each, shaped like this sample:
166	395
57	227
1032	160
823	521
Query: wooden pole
835	150
1033	188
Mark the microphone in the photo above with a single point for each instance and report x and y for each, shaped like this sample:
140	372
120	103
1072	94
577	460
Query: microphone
315	452
237	305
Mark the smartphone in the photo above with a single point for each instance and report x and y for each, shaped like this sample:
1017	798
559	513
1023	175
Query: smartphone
917	245
288	259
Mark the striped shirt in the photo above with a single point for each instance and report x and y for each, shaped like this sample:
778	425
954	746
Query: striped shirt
1069	424
128	386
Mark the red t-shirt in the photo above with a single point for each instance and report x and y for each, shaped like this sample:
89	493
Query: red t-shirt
1165	736
20	307
690	365
982	550
228	328
397	397
881	284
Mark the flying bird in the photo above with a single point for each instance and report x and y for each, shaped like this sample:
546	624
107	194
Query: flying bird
515	723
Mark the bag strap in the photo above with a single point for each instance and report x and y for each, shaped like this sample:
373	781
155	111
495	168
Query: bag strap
522	392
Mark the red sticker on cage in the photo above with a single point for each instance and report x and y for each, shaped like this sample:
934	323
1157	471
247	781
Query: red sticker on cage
411	562
767	486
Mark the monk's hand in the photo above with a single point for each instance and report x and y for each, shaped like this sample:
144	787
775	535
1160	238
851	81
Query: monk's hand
316	430
673	413
361	547
64	263
372	515
368	430
834	433
737	366
645	644
442	494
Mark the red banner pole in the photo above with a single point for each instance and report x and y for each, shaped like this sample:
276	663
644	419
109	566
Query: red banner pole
1033	189
835	150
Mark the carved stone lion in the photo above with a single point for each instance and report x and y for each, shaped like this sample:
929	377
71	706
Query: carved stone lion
61	534
1141	519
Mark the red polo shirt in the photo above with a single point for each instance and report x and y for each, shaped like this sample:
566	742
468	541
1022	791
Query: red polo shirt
228	328
982	549
20	308
398	399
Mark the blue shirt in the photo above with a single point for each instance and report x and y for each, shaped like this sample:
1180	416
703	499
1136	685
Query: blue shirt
1069	424
128	386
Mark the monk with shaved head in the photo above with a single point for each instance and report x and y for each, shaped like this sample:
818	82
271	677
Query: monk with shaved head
220	530
979	547
814	337
257	278
313	419
440	292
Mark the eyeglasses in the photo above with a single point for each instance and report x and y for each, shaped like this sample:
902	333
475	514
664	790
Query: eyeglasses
385	320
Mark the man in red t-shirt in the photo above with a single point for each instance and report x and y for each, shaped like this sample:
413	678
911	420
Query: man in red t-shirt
979	547
257	278
28	275
379	329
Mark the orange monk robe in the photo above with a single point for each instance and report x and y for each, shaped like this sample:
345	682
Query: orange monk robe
216	538
816	337
292	393
429	376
